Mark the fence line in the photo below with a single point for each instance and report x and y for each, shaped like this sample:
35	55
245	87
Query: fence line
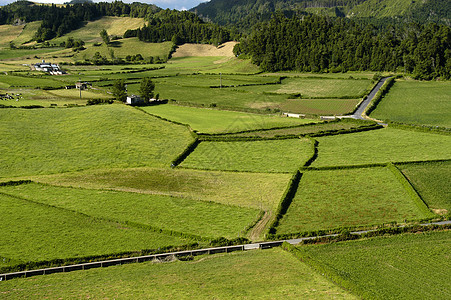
169	255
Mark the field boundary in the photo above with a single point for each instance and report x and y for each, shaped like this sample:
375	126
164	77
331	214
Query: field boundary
169	256
414	195
127	223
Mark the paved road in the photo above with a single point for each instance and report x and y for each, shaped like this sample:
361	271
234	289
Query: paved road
358	113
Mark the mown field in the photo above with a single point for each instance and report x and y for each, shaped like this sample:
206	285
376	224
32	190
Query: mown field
219	121
181	215
348	198
255	156
254	274
252	190
381	146
431	180
34	232
422	103
320	106
59	140
409	266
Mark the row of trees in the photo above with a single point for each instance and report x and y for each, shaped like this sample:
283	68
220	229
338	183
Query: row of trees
318	44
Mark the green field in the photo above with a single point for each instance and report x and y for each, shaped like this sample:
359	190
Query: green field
380	146
113	25
124	47
306	129
320	106
417	102
264	274
255	156
27	33
11	81
217	121
168	213
325	88
431	180
348	198
9	33
408	266
36	232
44	141
259	191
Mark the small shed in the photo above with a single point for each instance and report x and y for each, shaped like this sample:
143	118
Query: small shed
134	100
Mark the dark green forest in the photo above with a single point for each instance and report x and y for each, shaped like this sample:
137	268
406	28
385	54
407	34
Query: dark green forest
322	44
163	25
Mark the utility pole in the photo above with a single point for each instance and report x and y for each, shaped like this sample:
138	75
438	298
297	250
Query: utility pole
79	84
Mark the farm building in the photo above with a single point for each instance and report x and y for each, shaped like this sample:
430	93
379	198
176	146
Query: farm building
53	69
134	100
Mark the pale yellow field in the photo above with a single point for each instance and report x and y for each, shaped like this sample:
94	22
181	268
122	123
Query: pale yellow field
9	33
113	25
27	33
185	50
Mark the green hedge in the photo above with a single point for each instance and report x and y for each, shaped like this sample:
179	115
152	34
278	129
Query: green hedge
314	153
410	190
379	95
15	182
286	200
188	150
420	128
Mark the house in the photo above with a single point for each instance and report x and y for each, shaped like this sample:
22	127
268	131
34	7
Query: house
53	69
81	85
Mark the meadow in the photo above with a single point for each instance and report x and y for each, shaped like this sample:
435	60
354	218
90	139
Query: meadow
255	156
9	33
123	47
218	121
115	26
320	106
408	266
431	180
60	140
181	215
305	129
422	103
35	232
27	33
252	190
348	198
253	274
381	146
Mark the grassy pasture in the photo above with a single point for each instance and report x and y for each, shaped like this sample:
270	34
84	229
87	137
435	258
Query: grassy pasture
9	33
408	266
252	274
352	197
202	218
185	50
47	98
61	140
431	180
124	47
320	106
216	121
380	146
27	33
303	129
35	232
26	54
325	88
255	156
259	191
211	64
113	25
29	82
417	102
222	98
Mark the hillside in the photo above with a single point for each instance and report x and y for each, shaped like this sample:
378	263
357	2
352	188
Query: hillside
244	13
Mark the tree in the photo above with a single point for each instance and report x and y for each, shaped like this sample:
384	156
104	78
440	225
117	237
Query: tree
105	36
119	90
146	89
